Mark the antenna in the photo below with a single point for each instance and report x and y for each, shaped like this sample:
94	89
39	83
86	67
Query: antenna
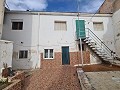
6	5
78	8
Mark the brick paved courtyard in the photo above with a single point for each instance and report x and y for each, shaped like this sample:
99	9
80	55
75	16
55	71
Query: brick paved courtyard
60	78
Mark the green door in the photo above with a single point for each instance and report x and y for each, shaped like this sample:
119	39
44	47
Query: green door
80	29
65	55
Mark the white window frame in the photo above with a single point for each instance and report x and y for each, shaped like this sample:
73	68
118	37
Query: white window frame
23	58
99	23
48	53
17	20
57	21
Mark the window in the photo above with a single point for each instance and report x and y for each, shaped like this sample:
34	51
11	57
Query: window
98	26
17	25
23	54
83	47
60	26
48	53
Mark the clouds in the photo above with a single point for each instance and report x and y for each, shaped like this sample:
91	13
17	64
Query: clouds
55	5
36	5
90	5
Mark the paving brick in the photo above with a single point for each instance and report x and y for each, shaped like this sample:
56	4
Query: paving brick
59	78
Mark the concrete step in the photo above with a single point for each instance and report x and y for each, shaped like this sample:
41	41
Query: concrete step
103	57
108	59
87	39
99	51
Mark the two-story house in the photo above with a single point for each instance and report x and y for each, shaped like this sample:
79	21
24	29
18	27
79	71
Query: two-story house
52	39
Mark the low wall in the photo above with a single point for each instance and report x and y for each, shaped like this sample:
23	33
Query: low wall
19	75
16	85
17	81
6	51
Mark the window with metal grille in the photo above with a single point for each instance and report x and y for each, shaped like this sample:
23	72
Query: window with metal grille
98	26
48	53
60	26
23	54
17	25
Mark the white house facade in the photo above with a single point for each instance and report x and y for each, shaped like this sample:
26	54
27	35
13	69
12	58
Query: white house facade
48	39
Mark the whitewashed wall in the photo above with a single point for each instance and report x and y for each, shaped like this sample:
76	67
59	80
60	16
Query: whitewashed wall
6	51
116	21
38	33
49	38
27	36
56	39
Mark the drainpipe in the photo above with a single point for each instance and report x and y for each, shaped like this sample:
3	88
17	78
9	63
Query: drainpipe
81	52
38	47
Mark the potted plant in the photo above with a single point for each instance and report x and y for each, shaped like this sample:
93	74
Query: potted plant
5	70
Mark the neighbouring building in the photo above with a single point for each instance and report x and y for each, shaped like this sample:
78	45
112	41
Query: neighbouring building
6	47
113	6
51	39
1	16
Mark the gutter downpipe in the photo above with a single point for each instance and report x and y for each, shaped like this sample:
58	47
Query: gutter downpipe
81	52
38	46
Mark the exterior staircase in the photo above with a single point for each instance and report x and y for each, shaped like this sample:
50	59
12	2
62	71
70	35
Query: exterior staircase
99	47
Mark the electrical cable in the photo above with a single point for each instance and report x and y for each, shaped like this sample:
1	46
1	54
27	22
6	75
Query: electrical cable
95	13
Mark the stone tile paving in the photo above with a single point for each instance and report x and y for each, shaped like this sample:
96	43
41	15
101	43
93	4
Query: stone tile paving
109	80
60	78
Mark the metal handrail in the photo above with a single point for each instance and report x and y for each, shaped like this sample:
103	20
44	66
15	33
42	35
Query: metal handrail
99	39
100	43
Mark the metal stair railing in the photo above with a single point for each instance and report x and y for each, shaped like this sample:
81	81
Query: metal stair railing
99	43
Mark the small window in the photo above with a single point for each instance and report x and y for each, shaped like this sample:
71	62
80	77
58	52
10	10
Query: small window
48	53
83	47
60	26
98	26
17	25
23	54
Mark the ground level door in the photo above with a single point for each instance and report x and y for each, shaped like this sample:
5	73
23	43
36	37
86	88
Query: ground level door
65	55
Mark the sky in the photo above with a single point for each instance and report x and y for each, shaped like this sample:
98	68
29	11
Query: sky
55	5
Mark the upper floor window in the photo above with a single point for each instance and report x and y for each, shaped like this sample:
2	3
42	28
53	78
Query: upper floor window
17	25
60	26
23	54
98	26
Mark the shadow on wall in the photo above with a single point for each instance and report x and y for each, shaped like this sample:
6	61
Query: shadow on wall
108	37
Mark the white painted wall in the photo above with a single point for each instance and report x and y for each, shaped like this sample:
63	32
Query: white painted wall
1	16
56	39
116	21
59	38
38	33
27	36
6	51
